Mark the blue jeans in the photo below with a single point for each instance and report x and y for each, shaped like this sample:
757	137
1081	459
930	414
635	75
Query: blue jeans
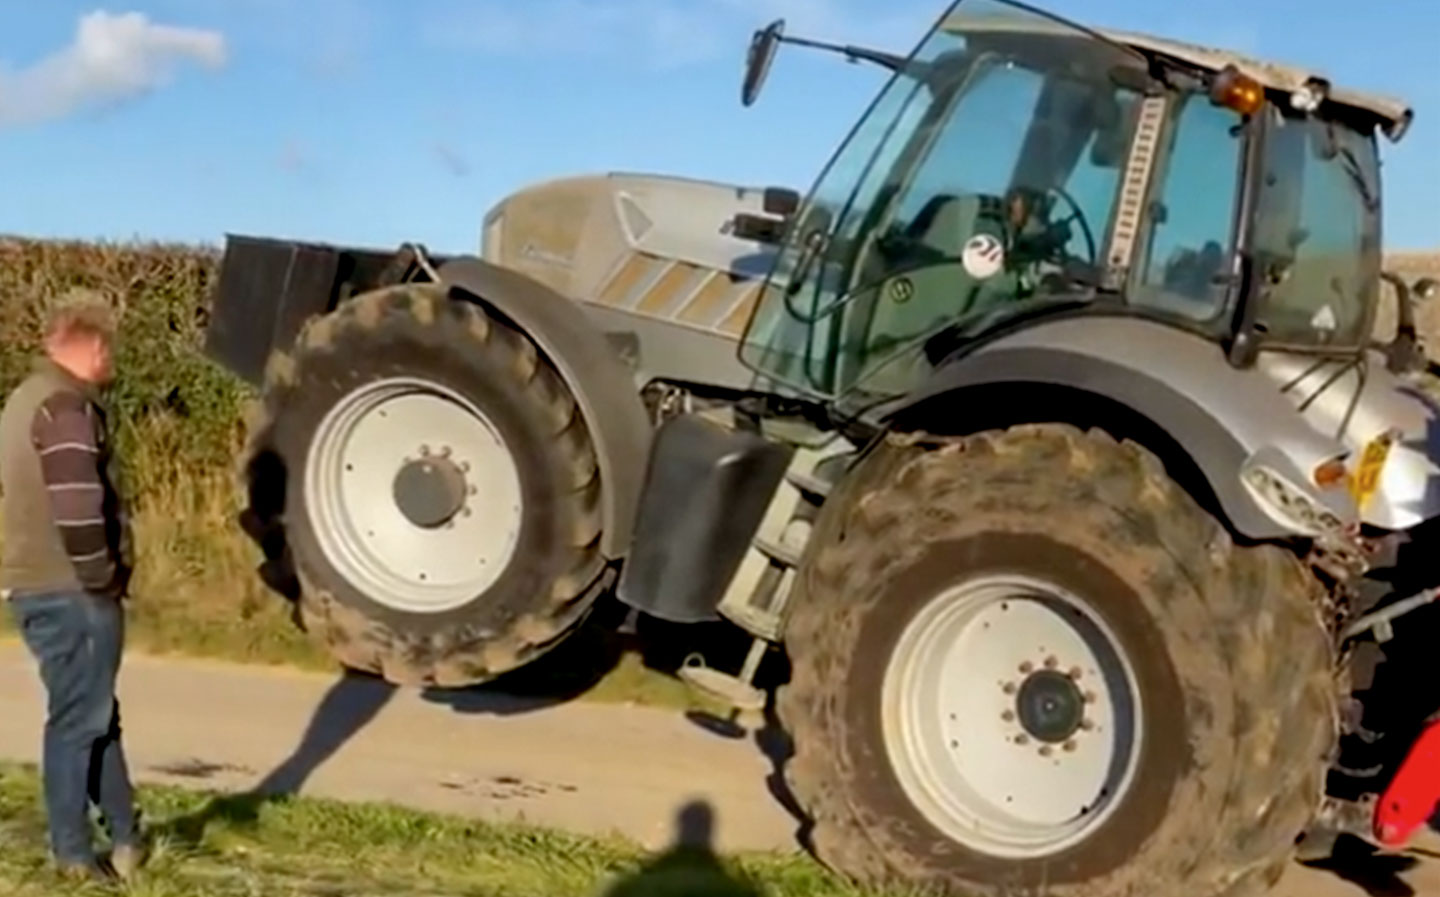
77	640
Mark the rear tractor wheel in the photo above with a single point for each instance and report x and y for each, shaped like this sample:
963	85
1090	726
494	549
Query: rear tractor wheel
1028	662
429	480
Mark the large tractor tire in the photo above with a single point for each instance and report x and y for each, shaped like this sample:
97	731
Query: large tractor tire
1028	662
429	480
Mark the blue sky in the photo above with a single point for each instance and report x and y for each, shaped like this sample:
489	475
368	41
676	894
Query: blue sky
380	121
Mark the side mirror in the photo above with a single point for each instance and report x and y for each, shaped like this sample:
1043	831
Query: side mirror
781	201
757	228
757	62
1425	288
1403	354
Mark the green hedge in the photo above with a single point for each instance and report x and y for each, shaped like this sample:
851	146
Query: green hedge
174	412
178	422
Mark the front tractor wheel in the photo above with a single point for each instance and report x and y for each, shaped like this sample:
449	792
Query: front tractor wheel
1029	662
431	485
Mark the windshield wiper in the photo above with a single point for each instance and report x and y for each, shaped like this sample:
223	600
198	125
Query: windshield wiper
1351	166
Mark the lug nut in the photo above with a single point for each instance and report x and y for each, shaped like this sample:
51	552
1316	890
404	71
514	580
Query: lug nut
472	490
424	451
1046	751
1010	688
1089	697
1051	662
1087	725
464	466
1075	673
465	511
1027	668
1022	740
1008	716
1070	746
444	451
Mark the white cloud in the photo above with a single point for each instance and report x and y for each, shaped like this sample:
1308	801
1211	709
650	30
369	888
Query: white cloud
662	33
114	57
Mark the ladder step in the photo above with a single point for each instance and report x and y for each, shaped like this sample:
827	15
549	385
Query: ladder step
809	484
777	551
732	691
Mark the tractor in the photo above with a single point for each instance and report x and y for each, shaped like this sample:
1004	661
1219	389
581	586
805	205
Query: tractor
1047	437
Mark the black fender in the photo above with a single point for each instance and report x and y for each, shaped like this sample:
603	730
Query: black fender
604	388
1031	384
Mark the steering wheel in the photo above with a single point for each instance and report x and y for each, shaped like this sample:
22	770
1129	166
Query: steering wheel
1077	216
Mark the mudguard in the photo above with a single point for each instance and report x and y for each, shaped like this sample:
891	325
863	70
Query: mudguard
1220	415
602	385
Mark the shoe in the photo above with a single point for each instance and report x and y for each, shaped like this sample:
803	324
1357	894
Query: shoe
126	860
79	872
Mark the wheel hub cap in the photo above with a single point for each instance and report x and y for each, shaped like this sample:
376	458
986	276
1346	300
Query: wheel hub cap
429	491
1050	706
414	495
1011	716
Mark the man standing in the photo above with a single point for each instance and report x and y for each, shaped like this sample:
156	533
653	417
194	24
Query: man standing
64	574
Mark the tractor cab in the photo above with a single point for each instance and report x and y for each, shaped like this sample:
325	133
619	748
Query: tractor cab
1019	166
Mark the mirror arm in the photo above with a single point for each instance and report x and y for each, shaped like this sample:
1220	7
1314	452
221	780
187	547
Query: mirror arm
879	57
1402	353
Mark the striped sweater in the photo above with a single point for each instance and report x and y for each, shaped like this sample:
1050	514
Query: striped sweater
62	526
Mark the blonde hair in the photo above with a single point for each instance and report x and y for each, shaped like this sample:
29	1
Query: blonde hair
80	313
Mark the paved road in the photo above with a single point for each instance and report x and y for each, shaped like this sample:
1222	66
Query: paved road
584	767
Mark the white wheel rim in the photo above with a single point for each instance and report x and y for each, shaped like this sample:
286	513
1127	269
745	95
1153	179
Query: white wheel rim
358	450
958	741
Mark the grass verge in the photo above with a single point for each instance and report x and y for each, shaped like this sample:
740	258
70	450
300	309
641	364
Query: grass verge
206	846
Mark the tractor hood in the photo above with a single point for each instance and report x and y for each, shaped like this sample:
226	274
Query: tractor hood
650	245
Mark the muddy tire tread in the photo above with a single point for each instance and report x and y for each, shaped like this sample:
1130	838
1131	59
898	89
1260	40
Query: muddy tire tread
1259	599
361	643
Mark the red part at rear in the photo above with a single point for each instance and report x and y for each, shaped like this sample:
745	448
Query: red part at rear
1413	794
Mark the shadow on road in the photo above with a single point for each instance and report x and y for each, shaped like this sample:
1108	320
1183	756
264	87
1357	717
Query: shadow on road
689	868
1363	866
350	704
587	656
567	672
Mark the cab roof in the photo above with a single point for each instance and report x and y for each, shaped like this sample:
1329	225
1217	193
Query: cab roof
1394	114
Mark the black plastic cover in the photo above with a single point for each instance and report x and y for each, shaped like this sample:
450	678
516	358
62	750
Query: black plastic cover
706	490
269	288
266	290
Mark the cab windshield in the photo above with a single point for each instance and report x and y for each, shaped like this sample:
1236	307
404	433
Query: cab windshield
981	183
1317	232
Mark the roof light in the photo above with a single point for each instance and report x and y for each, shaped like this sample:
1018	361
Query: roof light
1308	97
1236	91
